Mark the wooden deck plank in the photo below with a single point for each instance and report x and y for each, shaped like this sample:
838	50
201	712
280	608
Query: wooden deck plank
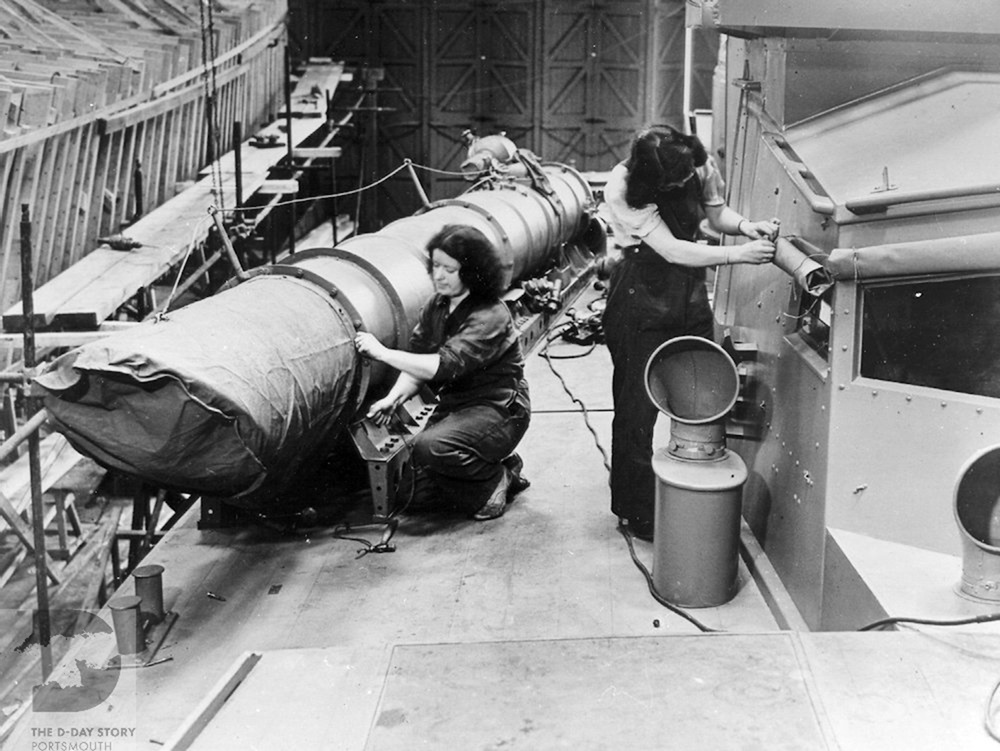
49	297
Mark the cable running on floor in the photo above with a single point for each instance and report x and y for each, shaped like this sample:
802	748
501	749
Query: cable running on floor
552	335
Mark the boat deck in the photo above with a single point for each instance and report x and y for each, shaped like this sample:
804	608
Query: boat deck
534	631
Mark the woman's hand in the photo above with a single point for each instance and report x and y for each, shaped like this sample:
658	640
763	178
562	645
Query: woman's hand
755	251
381	411
368	346
765	229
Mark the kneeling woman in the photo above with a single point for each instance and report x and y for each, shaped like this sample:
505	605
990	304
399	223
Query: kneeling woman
466	348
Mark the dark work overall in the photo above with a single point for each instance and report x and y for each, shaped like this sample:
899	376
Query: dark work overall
649	302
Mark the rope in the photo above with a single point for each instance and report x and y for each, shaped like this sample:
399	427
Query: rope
180	271
440	171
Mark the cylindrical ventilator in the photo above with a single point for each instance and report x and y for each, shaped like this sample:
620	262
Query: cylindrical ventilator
977	511
149	589
698	480
129	634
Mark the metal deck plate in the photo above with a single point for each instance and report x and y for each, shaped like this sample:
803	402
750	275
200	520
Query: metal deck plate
701	692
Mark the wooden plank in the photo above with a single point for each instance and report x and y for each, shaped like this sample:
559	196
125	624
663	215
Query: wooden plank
319	152
85	187
132	150
22	531
153	177
35	104
11	166
69	187
212	703
278	187
11	560
173	97
173	124
61	339
95	594
248	50
84	297
309	677
57	458
5	100
93	297
301	128
41	220
50	296
10	270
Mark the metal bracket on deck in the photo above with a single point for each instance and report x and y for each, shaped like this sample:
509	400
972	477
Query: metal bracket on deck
385	450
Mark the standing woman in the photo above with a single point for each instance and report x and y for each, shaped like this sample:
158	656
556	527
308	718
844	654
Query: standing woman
657	199
466	348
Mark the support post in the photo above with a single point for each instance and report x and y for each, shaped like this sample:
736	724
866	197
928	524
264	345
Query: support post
416	183
333	175
210	127
139	205
288	103
238	156
371	77
42	620
140	522
288	139
234	259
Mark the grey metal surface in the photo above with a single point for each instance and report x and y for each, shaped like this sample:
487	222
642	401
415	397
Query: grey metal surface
651	693
936	134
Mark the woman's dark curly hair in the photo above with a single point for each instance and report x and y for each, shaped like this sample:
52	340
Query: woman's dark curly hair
662	159
481	269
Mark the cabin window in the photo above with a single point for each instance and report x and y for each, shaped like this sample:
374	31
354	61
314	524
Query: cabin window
814	322
937	333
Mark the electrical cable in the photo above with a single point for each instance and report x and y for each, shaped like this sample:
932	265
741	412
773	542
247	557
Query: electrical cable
382	546
652	589
548	342
550	336
574	356
586	419
989	618
988	715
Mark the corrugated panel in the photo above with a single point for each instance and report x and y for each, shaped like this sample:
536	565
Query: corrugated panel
570	80
595	83
483	70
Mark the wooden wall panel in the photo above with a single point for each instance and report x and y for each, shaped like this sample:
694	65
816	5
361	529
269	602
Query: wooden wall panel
72	161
